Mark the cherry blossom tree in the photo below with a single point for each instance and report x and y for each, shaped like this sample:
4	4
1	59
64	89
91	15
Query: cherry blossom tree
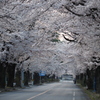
50	35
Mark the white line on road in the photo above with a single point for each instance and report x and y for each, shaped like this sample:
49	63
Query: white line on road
38	94
73	98
73	93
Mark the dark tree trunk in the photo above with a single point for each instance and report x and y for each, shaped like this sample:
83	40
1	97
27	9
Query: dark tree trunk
11	72
36	78
77	77
2	74
53	77
89	79
81	76
84	80
18	78
98	79
26	78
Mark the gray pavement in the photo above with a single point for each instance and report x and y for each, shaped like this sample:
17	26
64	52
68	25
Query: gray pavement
65	90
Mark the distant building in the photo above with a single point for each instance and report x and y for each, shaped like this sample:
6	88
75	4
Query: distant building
67	77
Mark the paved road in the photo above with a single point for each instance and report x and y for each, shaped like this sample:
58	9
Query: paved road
64	90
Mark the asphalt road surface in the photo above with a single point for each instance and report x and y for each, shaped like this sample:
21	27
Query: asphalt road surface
64	90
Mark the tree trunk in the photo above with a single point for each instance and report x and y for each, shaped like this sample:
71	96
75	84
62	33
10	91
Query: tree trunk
2	74
11	72
36	78
26	80
89	80
18	78
98	79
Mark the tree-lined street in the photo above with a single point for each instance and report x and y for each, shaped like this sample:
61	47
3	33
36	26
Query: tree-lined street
43	40
65	90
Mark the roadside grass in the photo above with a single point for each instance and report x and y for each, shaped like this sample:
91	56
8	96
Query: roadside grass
92	95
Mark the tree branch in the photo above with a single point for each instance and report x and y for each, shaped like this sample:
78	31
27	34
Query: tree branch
68	39
72	11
